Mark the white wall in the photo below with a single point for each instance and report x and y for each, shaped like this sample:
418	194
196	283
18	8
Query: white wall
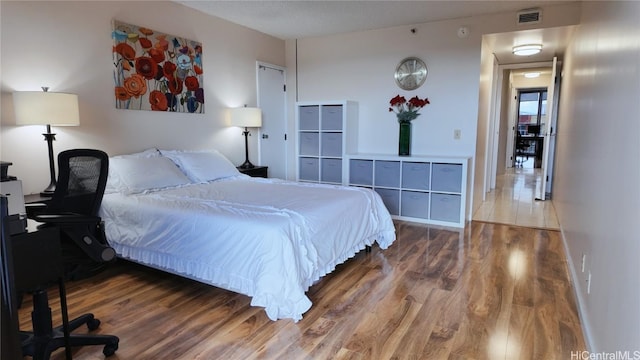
597	179
67	46
359	66
482	148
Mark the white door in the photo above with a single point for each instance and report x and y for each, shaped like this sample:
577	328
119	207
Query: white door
547	131
553	132
513	124
272	101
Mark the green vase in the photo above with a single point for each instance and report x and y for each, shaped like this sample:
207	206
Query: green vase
404	140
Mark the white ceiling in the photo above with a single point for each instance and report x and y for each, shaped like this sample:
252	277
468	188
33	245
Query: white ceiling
300	19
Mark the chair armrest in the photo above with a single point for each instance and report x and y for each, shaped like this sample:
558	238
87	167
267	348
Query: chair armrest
66	218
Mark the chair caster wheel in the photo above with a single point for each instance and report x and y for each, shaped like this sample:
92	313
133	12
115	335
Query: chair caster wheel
110	349
93	324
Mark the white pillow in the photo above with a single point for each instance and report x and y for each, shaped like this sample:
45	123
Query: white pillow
153	152
114	183
146	173
202	166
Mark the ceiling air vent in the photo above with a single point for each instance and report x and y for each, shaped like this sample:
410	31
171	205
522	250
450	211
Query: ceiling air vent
529	16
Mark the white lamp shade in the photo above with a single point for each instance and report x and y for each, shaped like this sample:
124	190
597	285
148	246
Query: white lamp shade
245	117
46	108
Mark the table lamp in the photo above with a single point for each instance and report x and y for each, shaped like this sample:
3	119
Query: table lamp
46	108
246	117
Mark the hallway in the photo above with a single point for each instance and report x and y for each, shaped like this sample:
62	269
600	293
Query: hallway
513	201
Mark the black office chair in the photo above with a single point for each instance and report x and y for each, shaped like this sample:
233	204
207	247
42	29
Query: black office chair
522	150
73	209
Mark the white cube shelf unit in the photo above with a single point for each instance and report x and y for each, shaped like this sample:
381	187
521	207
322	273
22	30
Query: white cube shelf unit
415	188
325	132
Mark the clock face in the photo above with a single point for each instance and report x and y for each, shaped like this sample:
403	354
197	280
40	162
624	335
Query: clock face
411	73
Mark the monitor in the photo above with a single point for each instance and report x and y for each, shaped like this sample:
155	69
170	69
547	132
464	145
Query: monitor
533	129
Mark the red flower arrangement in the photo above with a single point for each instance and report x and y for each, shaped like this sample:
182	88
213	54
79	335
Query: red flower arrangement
407	110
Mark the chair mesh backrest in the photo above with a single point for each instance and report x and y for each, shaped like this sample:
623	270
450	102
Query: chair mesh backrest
82	177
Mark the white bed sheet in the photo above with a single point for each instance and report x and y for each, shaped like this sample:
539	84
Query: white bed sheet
266	238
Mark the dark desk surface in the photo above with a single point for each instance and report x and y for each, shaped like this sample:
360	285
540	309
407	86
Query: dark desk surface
37	258
35	198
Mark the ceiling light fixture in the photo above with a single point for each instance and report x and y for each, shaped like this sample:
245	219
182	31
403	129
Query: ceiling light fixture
531	75
526	50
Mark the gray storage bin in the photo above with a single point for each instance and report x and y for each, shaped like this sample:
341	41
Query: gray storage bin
309	169
331	170
387	173
445	207
332	117
391	199
309	143
446	177
361	172
309	117
331	144
415	204
415	175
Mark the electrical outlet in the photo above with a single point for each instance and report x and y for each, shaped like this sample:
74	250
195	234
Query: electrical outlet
457	133
584	260
589	283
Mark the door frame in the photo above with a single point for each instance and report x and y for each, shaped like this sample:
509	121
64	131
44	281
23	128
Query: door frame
496	111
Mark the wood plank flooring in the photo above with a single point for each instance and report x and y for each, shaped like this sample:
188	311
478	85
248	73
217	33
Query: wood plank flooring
491	291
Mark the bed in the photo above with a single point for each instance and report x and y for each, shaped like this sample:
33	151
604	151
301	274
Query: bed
193	214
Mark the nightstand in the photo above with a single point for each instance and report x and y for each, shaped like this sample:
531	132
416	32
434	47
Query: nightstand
36	198
258	171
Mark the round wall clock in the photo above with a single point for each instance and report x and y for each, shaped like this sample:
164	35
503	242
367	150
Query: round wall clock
411	73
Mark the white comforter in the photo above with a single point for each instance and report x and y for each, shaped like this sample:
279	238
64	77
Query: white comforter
266	238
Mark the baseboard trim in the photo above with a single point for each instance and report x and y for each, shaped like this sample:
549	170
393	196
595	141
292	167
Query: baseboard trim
577	293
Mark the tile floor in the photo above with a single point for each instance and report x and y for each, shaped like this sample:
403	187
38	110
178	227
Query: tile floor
513	201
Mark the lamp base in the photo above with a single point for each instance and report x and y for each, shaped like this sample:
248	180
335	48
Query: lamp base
48	192
247	165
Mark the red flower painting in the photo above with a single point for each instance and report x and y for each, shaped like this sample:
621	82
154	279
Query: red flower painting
156	71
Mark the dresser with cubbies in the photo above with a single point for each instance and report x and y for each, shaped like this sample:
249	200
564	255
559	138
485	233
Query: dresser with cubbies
325	132
415	188
423	189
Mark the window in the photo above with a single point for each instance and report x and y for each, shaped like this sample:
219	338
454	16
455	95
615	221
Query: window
532	111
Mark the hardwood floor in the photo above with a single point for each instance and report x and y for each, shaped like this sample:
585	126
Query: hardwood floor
491	291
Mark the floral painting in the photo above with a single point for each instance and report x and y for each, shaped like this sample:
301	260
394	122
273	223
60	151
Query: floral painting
156	71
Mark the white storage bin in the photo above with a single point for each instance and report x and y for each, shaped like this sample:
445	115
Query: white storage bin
361	172
446	177
309	117
309	143
331	144
387	173
445	207
415	175
331	170
309	169
391	199
415	204
332	117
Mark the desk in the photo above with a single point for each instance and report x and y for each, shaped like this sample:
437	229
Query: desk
36	198
41	247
